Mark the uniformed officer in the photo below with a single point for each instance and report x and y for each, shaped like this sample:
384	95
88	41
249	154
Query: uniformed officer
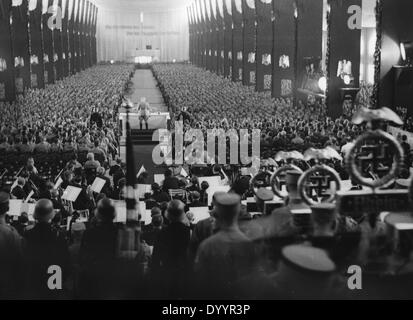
144	113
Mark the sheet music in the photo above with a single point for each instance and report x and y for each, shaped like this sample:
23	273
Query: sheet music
143	189
159	179
98	185
71	193
200	214
15	208
214	189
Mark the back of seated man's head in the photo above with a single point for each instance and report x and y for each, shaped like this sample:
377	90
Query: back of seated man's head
176	211
106	211
195	196
155	187
157	219
44	212
168	173
96	143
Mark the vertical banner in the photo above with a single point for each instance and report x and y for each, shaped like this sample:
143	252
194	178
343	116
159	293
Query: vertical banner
36	44
309	41
228	25
20	43
191	36
71	35
214	35
208	36
203	35
57	39
344	59
284	48
81	35
237	40
196	34
264	57
221	36
94	44
7	89
88	53
65	38
250	43
48	51
77	35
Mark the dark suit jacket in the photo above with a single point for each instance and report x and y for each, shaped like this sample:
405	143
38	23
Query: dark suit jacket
170	183
170	250
44	248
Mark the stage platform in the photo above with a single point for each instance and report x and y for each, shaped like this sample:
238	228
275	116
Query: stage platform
144	85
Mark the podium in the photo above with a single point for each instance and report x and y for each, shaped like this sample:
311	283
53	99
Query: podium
144	56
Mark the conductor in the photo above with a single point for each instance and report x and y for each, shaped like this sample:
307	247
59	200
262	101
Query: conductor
144	112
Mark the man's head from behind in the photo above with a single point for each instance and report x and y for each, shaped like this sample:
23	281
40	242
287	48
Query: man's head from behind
106	211
44	211
176	211
157	219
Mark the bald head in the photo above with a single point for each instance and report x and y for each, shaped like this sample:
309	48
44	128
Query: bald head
44	211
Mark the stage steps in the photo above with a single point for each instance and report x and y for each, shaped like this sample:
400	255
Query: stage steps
143	137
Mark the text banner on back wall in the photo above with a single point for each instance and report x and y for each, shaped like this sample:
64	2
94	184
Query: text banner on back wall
344	62
264	56
284	48
20	36
121	34
7	90
250	43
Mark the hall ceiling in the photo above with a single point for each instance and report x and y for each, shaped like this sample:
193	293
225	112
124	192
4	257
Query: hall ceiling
148	5
369	19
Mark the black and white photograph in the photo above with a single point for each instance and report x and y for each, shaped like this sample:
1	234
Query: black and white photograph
189	151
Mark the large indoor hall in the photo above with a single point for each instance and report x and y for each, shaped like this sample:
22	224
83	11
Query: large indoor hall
206	157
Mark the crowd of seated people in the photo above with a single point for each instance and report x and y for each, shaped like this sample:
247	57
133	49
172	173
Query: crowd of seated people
206	101
74	116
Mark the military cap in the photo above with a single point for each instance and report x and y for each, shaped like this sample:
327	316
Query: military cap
264	194
227	199
308	259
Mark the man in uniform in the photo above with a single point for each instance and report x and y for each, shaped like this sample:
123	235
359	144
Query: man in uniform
144	113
